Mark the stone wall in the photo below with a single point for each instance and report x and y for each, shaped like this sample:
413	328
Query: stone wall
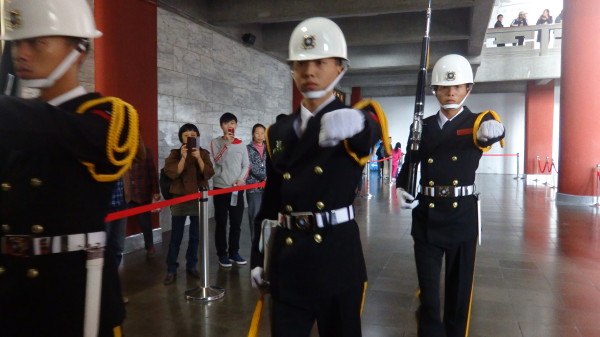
202	74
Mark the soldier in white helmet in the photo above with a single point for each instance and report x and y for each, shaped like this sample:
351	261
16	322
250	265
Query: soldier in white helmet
316	158
445	217
60	156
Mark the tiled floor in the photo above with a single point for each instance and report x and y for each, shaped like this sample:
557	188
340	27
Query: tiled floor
537	273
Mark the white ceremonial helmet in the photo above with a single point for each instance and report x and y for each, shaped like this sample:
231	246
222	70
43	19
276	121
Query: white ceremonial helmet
452	70
26	19
318	38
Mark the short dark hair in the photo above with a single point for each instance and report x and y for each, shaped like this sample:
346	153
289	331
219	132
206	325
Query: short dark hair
499	15
280	117
257	125
227	117
187	127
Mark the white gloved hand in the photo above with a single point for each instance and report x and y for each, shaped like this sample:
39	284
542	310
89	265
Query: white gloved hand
340	124
406	200
256	277
489	129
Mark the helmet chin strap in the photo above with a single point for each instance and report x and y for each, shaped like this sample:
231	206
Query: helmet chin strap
321	93
58	72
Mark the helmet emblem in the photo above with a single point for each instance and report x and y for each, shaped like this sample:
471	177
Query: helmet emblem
13	19
450	76
309	42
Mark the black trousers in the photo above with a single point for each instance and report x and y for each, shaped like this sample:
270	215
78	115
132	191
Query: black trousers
336	316
460	265
235	213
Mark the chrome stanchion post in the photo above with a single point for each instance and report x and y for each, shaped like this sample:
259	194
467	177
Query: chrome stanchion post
518	165
366	186
597	204
390	170
546	165
204	292
553	173
537	165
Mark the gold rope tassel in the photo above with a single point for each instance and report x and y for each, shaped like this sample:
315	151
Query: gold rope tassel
476	128
255	323
116	127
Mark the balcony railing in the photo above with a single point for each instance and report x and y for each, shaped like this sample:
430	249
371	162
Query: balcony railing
550	38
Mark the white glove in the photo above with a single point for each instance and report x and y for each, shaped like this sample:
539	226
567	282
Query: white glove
406	200
340	124
256	277
489	129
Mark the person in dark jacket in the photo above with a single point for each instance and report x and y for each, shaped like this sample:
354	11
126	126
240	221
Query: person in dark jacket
520	21
444	216
316	157
189	169
60	156
258	173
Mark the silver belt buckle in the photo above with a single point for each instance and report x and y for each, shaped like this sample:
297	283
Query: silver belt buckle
443	191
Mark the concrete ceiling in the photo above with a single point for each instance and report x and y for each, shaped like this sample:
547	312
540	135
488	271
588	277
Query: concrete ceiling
383	36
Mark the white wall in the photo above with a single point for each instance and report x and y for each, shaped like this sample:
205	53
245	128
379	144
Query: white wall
510	107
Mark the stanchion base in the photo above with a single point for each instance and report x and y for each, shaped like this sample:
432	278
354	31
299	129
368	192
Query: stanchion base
211	293
367	196
595	205
519	178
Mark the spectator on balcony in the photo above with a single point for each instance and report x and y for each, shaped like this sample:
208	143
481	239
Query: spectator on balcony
559	18
545	19
499	21
499	25
520	21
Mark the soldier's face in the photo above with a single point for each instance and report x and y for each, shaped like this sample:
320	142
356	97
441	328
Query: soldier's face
315	74
452	94
38	57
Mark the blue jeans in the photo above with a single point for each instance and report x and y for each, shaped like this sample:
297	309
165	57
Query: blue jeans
115	236
191	255
223	209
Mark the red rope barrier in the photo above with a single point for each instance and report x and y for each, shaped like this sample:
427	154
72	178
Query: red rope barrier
542	170
162	204
384	159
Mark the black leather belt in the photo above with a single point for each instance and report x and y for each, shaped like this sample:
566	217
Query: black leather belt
304	221
27	245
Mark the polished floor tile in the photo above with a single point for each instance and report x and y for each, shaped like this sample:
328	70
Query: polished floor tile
537	272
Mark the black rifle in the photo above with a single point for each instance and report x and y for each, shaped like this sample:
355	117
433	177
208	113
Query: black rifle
8	80
417	125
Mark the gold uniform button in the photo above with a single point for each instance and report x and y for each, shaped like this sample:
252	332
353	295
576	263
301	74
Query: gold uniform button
431	205
318	170
5	228
430	160
320	205
289	241
455	182
35	182
431	183
2	270
288	208
6	186
287	176
37	229
454	158
455	204
318	238
32	273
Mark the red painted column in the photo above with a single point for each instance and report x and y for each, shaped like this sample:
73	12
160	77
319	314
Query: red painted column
356	96
126	63
539	111
579	104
